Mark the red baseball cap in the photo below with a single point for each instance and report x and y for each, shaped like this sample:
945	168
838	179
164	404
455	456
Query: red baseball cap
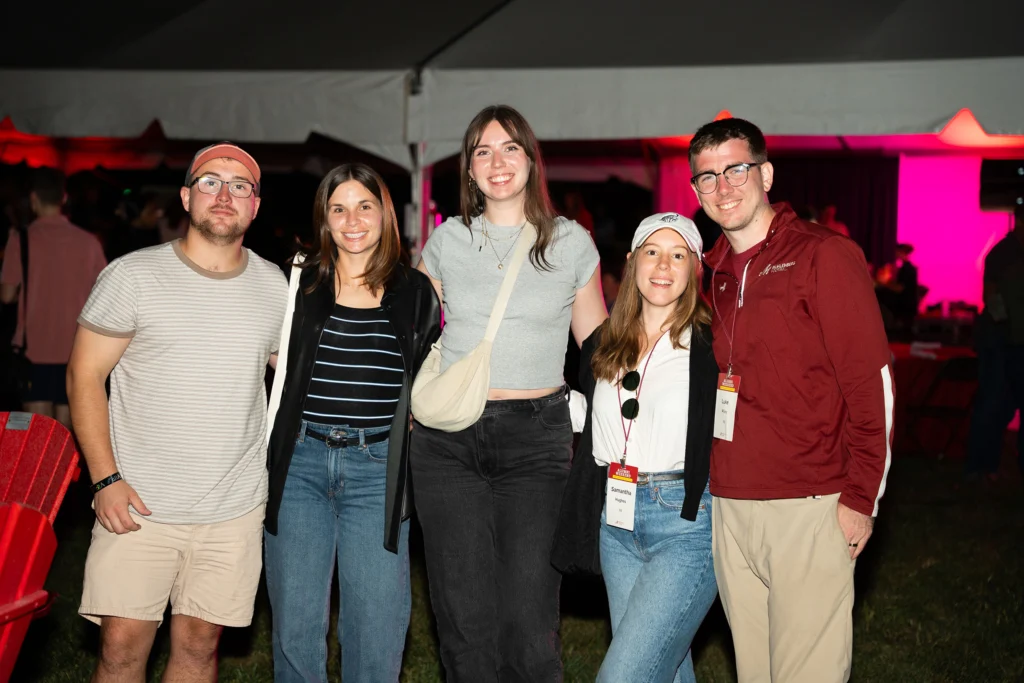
224	150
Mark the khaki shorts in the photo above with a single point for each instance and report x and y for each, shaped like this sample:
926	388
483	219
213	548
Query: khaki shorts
207	571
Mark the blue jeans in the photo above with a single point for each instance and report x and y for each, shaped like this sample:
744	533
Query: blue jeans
660	579
333	510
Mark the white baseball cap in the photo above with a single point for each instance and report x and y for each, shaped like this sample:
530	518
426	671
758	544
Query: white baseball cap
686	228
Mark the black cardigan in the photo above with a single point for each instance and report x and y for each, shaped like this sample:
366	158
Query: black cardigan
414	312
576	546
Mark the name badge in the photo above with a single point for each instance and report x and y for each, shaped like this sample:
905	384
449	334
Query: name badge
725	405
620	496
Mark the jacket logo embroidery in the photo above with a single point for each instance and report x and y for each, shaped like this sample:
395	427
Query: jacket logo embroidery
722	288
777	268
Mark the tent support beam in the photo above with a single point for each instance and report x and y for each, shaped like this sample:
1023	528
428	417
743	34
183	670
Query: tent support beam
417	76
417	217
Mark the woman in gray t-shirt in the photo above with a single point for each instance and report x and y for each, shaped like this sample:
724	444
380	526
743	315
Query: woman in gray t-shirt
488	496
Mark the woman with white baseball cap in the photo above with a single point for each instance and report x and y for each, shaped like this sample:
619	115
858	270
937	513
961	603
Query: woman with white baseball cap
637	508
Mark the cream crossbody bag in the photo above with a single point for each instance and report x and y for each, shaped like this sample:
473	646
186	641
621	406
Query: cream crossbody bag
454	399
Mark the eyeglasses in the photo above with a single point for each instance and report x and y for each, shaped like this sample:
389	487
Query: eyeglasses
631	407
209	185
735	175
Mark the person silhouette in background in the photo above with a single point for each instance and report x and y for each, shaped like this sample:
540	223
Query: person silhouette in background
829	220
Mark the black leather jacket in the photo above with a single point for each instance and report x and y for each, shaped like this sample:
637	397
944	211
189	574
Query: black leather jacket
414	312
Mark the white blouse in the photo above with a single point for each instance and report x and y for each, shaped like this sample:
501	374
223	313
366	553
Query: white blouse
657	440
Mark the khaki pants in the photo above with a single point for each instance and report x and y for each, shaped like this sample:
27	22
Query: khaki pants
786	580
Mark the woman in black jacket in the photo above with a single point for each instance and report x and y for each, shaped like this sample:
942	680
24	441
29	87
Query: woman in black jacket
339	450
636	507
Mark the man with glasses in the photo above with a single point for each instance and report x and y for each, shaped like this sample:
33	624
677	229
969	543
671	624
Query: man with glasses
177	456
803	427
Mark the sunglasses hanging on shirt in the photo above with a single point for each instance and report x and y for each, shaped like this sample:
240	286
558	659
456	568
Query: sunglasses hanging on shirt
632	381
631	406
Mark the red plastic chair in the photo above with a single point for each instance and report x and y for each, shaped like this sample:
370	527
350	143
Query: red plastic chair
38	462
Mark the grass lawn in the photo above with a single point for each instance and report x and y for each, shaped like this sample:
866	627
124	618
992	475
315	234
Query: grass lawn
939	599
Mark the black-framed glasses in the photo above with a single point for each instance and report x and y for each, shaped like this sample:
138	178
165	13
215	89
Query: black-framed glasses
735	175
210	185
631	406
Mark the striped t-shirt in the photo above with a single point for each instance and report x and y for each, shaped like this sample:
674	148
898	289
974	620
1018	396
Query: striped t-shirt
358	373
188	408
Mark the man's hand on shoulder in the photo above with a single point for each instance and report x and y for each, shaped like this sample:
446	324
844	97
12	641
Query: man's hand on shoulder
856	528
111	504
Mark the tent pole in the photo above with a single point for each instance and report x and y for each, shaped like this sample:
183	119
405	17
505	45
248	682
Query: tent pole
418	219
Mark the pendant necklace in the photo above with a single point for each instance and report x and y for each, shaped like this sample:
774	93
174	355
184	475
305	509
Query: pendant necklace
490	240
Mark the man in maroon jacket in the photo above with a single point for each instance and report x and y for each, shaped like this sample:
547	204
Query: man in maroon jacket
804	421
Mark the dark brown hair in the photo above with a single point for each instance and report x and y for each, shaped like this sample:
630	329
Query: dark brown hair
620	347
538	209
324	253
717	133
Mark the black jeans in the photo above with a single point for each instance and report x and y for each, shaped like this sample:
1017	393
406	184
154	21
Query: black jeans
487	499
1000	395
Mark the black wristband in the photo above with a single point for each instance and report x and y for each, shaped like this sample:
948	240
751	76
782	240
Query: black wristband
104	483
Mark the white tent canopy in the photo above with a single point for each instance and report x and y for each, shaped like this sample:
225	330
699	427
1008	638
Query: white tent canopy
401	80
274	106
877	98
578	69
599	69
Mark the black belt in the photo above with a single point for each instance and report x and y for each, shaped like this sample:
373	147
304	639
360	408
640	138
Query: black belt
346	440
643	478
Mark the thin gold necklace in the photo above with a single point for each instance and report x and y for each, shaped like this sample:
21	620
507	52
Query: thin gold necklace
490	241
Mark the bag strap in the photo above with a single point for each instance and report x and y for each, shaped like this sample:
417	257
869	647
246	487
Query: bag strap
277	388
498	312
23	244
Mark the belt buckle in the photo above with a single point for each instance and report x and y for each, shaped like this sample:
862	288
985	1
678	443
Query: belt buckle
334	441
642	479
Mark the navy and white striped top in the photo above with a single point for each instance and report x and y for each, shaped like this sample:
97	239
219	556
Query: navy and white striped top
358	373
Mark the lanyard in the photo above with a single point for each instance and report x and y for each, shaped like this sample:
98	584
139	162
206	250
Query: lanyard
730	334
622	419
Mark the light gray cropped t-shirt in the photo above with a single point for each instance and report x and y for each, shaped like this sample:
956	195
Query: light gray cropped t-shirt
529	349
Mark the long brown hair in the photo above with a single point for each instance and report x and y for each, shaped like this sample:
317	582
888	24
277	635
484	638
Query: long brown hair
324	253
538	209
620	347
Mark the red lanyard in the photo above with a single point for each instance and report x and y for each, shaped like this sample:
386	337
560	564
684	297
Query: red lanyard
640	386
731	334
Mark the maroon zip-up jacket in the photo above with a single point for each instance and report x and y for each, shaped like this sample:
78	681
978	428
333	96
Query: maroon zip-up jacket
815	408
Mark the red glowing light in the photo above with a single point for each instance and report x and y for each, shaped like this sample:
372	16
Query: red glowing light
963	130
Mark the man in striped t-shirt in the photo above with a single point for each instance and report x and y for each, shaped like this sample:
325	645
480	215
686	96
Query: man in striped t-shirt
177	456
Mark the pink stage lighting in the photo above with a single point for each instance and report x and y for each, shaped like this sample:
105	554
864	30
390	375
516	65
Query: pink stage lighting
939	214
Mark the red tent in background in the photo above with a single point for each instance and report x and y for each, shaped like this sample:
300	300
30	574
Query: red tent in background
152	149
81	154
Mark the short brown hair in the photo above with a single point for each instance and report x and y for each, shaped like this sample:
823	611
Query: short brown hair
717	133
47	184
324	253
538	208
